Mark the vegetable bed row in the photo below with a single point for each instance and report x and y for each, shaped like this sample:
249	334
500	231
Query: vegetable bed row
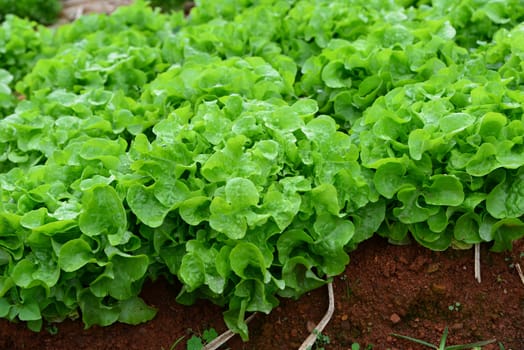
246	149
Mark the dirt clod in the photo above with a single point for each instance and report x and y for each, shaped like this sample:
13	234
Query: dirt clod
433	267
311	326
458	325
438	288
395	318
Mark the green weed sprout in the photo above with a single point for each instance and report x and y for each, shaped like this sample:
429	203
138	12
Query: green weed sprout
442	345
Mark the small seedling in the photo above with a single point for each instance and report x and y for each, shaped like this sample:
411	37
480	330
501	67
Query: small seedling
356	346
455	307
197	343
322	340
442	345
510	263
173	346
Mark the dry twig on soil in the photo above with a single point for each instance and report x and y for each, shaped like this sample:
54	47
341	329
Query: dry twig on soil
477	262
308	343
519	270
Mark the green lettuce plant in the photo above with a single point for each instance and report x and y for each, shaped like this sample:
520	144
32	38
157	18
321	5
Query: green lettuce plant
245	150
42	11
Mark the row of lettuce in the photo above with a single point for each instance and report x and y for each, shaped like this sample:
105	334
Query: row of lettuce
246	149
48	12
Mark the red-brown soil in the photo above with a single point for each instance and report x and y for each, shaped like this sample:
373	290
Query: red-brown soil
385	289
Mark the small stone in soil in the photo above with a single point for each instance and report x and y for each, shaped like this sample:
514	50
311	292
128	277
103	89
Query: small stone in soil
344	317
433	268
395	318
457	326
438	288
